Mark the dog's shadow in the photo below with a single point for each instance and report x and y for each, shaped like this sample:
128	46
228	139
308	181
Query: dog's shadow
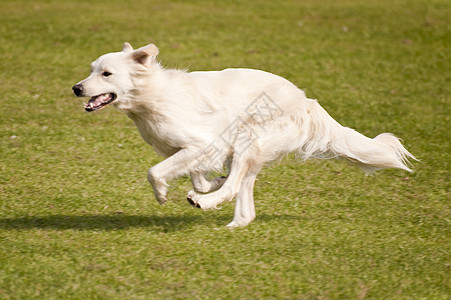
121	222
105	222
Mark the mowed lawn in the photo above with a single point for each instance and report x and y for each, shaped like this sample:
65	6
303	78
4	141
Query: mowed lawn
78	219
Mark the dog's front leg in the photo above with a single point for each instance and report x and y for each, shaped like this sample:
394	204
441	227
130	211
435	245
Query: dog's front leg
240	167
177	165
202	185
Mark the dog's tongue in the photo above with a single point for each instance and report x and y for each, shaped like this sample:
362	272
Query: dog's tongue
98	100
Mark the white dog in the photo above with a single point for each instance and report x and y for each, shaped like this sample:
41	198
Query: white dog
241	118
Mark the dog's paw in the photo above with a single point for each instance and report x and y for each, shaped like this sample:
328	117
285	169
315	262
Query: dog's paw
191	197
193	204
204	202
235	224
232	225
162	200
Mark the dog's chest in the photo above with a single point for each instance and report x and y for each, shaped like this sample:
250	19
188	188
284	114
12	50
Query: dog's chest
156	137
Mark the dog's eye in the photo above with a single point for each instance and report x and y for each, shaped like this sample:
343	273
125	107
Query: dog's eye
106	74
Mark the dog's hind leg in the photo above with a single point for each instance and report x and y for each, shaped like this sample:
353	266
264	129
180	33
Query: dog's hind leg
244	206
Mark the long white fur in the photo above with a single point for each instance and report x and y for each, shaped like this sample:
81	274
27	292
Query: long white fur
184	116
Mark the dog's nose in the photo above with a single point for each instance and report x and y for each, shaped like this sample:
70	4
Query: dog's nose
78	90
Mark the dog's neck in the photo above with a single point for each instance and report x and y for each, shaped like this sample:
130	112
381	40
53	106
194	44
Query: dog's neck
144	98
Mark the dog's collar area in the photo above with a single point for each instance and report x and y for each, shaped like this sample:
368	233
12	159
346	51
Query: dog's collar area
99	101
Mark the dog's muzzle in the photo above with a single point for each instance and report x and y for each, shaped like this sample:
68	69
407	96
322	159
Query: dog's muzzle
96	102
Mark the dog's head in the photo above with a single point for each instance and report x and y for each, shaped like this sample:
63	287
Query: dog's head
112	76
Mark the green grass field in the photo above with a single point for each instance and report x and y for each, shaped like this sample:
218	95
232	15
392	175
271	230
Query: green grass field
78	219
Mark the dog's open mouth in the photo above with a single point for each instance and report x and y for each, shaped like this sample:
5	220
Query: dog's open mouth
99	101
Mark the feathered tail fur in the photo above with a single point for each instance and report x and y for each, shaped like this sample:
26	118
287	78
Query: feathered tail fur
328	139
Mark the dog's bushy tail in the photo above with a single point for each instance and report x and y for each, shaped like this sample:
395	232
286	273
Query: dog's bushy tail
328	139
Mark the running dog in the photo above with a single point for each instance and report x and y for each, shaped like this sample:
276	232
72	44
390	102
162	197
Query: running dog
239	118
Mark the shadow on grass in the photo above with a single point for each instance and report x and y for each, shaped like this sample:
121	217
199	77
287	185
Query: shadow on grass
118	222
102	222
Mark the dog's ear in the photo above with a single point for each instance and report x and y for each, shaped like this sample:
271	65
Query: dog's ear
127	48
145	55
